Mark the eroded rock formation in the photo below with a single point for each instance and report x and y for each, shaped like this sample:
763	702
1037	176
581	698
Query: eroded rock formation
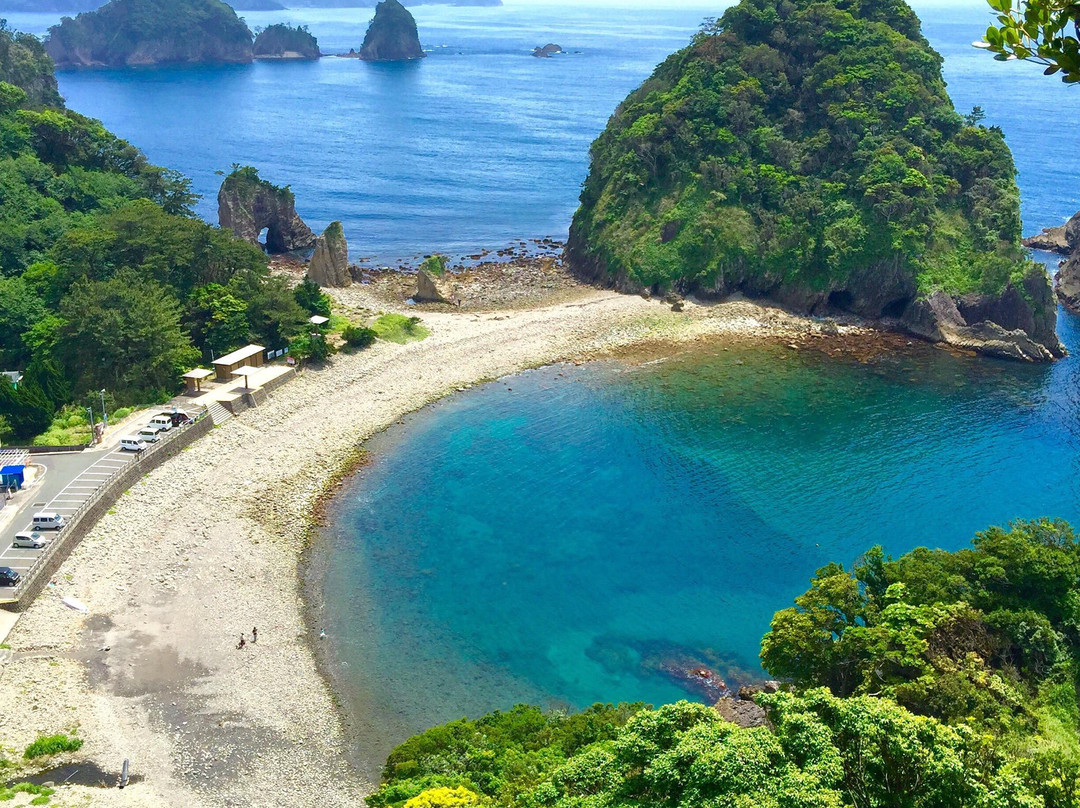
392	35
547	51
248	203
329	265
432	288
1068	279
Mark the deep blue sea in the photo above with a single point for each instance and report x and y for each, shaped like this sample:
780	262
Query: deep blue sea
479	144
562	536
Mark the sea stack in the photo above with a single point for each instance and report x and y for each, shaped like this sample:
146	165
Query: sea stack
247	203
392	35
329	265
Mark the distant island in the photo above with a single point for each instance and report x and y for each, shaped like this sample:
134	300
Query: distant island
151	32
745	164
283	42
392	35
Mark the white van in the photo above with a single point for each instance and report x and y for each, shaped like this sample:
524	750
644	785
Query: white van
149	434
162	422
47	521
30	540
132	443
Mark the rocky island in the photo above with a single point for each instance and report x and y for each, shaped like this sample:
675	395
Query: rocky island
788	173
248	204
284	42
392	35
151	32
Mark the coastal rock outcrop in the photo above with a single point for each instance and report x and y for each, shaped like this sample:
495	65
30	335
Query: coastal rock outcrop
1068	283
433	283
1062	239
247	204
820	199
1068	278
392	35
284	42
547	51
329	265
125	33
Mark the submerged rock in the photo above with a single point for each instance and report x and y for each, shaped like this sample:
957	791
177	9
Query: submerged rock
247	204
330	264
392	35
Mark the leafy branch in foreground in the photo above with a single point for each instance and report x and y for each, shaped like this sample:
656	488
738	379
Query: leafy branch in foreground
1037	31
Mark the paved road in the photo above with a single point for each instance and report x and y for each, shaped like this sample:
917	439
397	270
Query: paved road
69	481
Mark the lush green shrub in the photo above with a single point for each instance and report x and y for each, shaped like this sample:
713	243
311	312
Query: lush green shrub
52	745
435	264
312	346
399	328
357	336
312	298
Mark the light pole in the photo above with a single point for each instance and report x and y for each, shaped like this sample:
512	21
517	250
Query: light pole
93	437
104	415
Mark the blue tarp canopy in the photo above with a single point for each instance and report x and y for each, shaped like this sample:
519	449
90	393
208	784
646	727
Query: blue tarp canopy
12	476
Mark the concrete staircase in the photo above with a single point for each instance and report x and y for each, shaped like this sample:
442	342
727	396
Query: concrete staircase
218	414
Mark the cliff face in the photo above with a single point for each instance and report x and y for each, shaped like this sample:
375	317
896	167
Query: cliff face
24	63
1068	279
392	35
282	42
150	32
808	152
247	204
329	265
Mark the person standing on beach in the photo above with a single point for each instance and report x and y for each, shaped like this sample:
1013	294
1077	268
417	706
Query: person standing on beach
255	634
242	642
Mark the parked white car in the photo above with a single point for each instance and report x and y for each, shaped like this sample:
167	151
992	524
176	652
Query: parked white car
32	540
132	443
162	422
149	434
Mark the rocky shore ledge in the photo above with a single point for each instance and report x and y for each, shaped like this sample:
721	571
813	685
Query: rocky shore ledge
210	544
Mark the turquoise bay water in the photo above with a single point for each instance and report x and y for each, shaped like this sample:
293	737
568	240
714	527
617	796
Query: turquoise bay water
554	536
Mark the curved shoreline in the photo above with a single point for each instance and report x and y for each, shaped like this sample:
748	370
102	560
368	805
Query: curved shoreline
212	543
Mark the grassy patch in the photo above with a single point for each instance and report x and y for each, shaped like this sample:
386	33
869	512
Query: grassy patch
41	793
338	323
52	745
399	328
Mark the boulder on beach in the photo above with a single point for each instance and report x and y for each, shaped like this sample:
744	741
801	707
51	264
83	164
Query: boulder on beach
392	35
329	265
247	204
433	283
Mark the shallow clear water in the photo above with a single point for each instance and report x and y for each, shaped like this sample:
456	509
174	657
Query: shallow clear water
480	144
556	536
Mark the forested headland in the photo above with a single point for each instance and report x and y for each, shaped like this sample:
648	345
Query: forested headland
107	278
